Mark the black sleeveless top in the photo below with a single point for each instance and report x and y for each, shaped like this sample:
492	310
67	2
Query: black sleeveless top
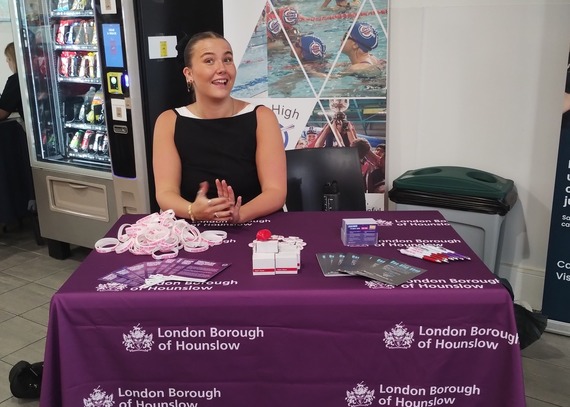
218	148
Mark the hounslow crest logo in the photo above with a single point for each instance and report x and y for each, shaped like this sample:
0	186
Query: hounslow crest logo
111	287
378	285
99	399
137	340
382	222
398	337
360	396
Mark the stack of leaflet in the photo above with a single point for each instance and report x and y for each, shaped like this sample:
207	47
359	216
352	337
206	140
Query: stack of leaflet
387	271
156	272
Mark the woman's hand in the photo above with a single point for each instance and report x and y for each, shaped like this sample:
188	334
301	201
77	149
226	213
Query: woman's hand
215	209
226	191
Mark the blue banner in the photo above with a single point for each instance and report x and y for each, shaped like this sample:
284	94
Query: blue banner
556	297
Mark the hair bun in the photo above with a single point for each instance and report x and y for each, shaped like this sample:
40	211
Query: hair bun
181	46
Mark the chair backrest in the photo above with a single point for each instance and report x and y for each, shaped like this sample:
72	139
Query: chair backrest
309	169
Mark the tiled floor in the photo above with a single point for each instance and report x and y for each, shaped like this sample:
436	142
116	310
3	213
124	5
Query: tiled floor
29	277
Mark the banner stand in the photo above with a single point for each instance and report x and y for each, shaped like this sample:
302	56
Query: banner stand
556	295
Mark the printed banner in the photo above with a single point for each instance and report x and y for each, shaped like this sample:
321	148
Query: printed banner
321	67
556	297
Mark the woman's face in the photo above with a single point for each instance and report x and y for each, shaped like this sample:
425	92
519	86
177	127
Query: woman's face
11	64
213	71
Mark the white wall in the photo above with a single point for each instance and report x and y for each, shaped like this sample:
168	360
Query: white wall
479	84
5	38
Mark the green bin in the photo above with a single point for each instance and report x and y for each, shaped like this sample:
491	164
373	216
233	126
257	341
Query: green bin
474	202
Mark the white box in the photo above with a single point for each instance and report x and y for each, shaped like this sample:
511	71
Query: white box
359	232
263	264
286	262
266	246
287	247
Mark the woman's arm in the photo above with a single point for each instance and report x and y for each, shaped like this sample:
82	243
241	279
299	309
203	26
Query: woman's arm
351	132
271	168
167	167
4	114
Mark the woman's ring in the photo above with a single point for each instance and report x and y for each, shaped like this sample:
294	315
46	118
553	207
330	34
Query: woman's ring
209	202
215	214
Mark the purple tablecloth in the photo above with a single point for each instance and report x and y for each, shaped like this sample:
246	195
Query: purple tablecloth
446	338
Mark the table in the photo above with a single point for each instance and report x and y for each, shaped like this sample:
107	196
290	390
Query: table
446	338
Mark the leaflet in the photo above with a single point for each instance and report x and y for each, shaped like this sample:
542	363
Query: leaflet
154	272
391	272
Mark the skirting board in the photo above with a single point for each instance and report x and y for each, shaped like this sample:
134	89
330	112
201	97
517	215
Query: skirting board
557	327
528	284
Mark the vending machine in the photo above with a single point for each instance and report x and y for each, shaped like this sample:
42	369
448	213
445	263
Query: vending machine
94	75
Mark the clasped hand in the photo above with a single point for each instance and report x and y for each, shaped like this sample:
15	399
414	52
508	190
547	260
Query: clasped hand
224	208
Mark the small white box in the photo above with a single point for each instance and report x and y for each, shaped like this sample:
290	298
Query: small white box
263	264
286	262
286	247
359	232
266	246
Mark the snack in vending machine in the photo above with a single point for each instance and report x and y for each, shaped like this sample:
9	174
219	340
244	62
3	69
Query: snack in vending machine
105	148
83	67
74	143
87	140
74	61
94	37
62	5
97	142
79	38
88	27
64	64
73	32
97	66
91	65
60	32
78	4
87	102
97	115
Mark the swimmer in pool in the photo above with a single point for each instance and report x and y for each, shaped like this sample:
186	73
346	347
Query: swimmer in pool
361	40
276	37
341	5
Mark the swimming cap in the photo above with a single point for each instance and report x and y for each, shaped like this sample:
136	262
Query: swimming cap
365	36
273	27
311	130
312	48
289	16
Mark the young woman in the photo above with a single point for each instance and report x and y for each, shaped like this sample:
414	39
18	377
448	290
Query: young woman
218	158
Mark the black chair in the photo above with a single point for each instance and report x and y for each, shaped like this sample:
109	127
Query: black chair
309	169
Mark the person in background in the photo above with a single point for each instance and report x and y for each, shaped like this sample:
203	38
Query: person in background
11	99
341	134
371	166
276	37
340	5
309	48
218	158
362	39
